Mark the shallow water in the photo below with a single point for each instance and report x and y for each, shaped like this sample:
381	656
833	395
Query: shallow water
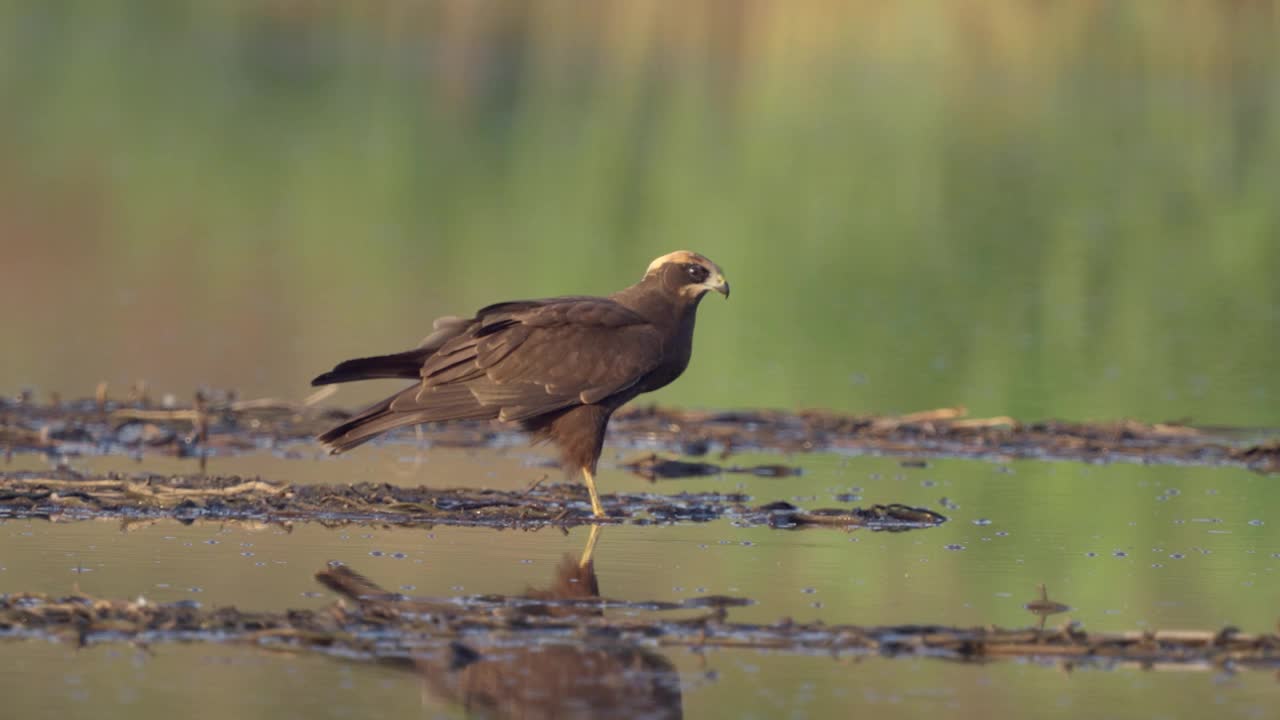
1172	547
211	681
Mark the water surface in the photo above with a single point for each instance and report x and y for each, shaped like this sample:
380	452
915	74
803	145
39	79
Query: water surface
1196	553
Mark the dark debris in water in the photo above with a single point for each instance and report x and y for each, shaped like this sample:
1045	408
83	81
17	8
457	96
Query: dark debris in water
189	497
373	624
893	517
654	467
219	424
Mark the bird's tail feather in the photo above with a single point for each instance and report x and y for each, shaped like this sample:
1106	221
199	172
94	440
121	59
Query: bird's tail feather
360	429
411	406
398	365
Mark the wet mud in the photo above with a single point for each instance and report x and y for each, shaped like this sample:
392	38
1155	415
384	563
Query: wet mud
220	424
68	495
459	641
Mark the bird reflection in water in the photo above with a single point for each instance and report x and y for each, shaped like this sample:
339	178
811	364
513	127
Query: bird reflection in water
595	677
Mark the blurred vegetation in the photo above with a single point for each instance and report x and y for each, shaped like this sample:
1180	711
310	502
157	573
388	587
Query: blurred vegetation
1038	209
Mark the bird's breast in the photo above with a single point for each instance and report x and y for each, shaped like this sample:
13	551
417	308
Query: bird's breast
676	355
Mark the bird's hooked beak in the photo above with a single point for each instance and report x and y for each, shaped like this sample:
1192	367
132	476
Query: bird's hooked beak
719	284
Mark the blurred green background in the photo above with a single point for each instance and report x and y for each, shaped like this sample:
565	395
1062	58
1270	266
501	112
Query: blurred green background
1040	209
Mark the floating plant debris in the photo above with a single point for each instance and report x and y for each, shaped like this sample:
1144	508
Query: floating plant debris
223	424
69	495
374	624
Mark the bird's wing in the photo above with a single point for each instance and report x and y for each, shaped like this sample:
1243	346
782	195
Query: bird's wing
530	358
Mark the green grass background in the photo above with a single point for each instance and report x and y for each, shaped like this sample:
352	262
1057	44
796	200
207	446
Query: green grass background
1036	209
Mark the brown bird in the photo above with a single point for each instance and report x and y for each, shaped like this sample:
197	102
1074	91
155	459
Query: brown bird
557	367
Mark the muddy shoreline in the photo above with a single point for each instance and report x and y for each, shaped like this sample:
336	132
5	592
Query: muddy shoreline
222	424
67	495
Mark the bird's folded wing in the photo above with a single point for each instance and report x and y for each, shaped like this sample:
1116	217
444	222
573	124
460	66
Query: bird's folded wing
532	359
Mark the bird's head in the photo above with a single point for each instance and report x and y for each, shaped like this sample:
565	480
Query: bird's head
688	274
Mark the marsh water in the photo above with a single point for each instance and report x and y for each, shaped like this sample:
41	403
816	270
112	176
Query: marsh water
1051	210
1168	548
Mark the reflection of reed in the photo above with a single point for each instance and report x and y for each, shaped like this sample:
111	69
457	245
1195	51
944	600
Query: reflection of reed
1043	607
596	678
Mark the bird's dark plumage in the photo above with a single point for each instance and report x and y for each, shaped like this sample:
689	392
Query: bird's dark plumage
558	367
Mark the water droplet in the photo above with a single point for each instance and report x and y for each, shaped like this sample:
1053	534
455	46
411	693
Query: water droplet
982	521
808	590
1120	554
1256	523
375	553
954	546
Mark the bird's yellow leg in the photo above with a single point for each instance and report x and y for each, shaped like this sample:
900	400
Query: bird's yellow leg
590	549
596	509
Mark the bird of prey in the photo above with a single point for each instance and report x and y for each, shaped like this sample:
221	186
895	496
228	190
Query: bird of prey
557	367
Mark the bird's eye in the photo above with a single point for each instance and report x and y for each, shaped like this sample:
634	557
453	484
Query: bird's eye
697	273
